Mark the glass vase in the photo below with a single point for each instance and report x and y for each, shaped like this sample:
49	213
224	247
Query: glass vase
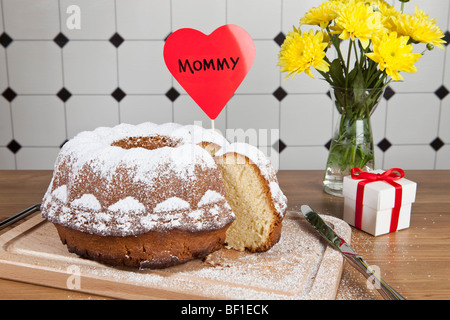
352	142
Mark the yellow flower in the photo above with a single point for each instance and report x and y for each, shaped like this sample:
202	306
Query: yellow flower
386	9
301	51
322	15
418	27
358	20
394	54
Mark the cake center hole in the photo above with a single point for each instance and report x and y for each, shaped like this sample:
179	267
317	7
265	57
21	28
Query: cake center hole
150	143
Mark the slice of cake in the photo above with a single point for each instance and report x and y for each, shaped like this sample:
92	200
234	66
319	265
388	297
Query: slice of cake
252	191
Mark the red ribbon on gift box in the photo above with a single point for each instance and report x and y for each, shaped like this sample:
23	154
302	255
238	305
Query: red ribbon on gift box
367	177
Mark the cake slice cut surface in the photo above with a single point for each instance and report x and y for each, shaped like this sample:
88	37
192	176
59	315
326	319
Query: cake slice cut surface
252	191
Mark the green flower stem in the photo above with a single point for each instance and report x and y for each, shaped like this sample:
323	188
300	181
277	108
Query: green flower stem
348	63
336	43
346	150
356	53
352	144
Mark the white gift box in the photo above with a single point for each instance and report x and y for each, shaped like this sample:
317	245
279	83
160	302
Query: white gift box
378	202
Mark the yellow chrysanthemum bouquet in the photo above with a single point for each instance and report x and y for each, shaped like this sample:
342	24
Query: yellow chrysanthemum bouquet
373	44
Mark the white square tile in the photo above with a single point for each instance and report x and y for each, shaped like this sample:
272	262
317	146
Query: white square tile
444	121
378	122
409	157
264	75
443	158
143	19
430	71
3	74
29	19
272	155
306	119
5	122
412	118
447	69
90	67
379	158
37	158
142	68
294	10
7	160
1	20
34	67
302	83
97	19
265	137
138	109
89	112
38	120
203	15
260	18
186	111
255	115
428	78
304	158
436	9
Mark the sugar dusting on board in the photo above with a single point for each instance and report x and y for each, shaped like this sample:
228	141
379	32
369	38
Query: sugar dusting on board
300	266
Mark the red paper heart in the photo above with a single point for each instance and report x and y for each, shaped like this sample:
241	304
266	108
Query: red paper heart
210	67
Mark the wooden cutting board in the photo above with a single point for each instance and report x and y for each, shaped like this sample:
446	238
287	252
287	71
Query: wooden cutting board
300	266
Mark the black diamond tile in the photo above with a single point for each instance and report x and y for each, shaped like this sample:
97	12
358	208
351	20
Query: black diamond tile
384	144
388	93
61	40
328	94
64	94
442	92
5	40
279	146
436	144
116	40
14	146
9	94
446	38
118	94
172	94
167	36
62	144
280	94
279	39
328	144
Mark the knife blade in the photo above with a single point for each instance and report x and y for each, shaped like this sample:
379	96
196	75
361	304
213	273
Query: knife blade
386	291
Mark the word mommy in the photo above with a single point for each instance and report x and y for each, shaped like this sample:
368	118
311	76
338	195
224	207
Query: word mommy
218	64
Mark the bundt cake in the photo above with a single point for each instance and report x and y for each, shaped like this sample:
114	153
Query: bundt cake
141	196
154	196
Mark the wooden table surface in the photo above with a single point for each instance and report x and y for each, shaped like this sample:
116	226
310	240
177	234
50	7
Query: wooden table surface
414	261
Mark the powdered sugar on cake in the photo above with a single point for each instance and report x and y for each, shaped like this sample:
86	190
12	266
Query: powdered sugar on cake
90	198
128	204
87	202
172	204
209	197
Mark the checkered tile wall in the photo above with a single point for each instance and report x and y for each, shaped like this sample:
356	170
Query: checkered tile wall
56	81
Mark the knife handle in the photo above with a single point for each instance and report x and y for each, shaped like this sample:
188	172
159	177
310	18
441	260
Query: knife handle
383	288
18	216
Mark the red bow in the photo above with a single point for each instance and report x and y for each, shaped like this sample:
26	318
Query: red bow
367	177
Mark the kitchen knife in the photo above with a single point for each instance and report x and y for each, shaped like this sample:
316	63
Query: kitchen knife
18	216
351	256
